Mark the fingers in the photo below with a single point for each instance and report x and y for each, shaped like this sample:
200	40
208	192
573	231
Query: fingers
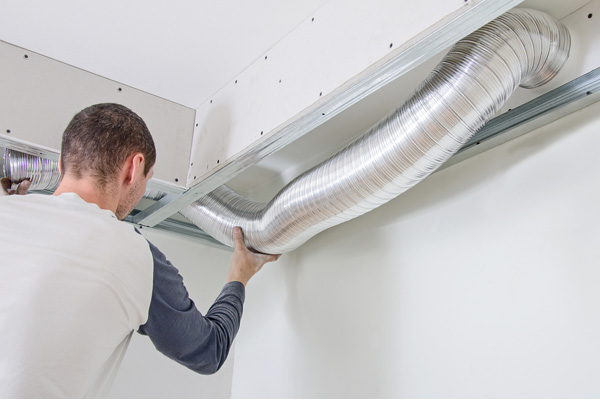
6	184
267	258
273	257
238	238
5	189
23	187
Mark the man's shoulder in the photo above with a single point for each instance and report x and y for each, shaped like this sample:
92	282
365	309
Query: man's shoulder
26	205
67	200
69	215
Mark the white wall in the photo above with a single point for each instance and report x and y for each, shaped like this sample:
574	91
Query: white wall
146	373
482	281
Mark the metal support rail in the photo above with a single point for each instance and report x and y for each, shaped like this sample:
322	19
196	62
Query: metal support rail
570	92
542	110
181	228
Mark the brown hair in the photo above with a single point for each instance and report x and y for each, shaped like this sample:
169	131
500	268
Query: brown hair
99	139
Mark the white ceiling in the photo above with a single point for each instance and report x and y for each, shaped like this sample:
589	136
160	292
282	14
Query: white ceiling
182	50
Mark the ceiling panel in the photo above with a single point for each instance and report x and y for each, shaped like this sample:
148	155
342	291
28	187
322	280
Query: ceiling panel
183	50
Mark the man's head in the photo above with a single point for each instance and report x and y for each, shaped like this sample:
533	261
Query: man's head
99	139
101	142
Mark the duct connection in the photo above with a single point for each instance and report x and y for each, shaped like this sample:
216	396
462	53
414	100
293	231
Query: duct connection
520	48
43	173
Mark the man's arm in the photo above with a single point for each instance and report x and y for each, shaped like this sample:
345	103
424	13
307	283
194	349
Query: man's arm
180	331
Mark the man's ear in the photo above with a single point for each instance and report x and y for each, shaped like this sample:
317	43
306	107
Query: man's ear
60	164
133	167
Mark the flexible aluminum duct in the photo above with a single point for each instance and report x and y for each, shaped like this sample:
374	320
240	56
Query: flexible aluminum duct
522	47
42	172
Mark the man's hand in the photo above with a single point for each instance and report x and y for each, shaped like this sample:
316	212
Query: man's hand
245	263
5	187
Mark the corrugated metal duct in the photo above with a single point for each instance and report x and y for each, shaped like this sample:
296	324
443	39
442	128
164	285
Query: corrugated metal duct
522	47
42	172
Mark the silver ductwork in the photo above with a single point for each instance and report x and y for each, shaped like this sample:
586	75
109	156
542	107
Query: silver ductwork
521	47
43	173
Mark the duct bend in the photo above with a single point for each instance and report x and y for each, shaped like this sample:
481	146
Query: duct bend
521	47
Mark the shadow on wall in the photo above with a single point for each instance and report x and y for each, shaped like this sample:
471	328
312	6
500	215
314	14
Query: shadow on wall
263	181
339	317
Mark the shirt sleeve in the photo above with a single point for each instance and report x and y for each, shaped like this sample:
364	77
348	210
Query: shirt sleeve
178	330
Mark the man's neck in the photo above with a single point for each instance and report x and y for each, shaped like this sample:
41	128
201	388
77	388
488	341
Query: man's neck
89	192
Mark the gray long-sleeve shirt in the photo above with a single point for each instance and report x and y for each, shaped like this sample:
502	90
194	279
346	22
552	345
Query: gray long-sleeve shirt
179	331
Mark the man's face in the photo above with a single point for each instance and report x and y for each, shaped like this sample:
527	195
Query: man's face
133	196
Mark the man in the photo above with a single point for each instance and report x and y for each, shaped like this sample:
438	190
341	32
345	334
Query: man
76	281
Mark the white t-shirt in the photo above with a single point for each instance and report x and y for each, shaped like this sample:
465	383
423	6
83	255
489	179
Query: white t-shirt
90	282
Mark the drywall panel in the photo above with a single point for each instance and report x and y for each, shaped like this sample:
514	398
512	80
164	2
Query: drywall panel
306	73
39	96
182	50
145	372
480	282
